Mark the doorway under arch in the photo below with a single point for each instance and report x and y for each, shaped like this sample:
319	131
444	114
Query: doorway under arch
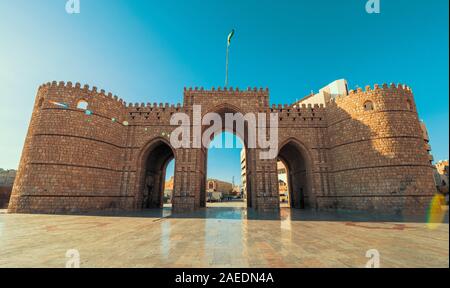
156	160
226	172
240	136
298	174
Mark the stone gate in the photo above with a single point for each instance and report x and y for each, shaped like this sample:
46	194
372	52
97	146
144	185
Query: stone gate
87	150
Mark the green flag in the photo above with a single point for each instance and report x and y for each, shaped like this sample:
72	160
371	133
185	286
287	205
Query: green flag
230	36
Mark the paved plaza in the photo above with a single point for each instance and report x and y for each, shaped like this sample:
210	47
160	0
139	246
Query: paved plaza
222	237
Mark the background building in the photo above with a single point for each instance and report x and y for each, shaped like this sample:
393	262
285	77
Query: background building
7	177
168	190
426	138
441	176
217	190
6	183
331	91
214	185
283	186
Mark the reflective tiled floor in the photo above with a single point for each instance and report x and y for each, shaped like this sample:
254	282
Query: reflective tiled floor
222	237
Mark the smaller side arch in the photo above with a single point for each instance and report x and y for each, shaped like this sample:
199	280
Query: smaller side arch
151	165
297	158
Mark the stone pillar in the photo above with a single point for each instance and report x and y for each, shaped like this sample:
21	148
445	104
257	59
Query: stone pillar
265	185
186	194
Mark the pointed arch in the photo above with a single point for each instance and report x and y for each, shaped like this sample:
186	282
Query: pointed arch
298	161
152	162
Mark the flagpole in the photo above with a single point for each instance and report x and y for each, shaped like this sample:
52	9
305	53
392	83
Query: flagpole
228	54
226	73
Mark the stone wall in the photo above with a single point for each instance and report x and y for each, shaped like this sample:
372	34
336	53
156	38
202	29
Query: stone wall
379	159
72	161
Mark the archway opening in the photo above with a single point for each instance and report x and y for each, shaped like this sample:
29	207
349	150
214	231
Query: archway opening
226	175
169	184
283	185
158	180
293	171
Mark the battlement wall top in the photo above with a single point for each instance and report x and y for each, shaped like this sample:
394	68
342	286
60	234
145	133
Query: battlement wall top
155	107
367	88
93	92
220	90
384	87
191	91
296	107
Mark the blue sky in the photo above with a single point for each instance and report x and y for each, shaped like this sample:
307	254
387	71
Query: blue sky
149	50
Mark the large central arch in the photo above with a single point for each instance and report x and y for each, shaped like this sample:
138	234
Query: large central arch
222	110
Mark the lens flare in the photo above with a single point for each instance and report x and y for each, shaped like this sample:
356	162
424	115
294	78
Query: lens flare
62	105
436	213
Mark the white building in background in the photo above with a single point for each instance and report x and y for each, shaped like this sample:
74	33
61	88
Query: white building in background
331	91
282	172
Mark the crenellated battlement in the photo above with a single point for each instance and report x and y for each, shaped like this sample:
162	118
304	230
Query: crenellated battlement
145	111
299	113
294	106
92	92
404	89
387	95
190	90
154	106
384	86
